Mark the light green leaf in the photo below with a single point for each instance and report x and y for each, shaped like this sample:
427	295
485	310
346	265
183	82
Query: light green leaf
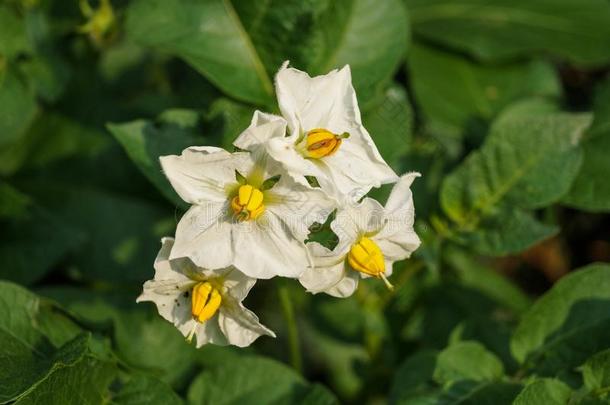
145	390
544	391
567	324
591	189
518	164
390	123
504	231
145	142
502	29
13	35
596	371
467	361
455	93
255	380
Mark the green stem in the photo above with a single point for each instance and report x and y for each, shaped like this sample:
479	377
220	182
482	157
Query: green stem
293	332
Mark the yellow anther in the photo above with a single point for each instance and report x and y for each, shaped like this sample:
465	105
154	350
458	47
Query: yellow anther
366	257
205	301
102	21
248	203
321	142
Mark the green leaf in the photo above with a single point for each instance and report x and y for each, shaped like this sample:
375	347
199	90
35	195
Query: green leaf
33	243
77	376
145	142
239	46
255	380
544	391
414	377
504	231
13	203
596	371
467	361
141	337
475	275
208	35
17	107
567	324
515	170
471	393
456	93
502	29
390	124
13	34
225	120
121	233
145	390
591	189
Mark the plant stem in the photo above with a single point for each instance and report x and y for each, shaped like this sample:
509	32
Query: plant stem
293	332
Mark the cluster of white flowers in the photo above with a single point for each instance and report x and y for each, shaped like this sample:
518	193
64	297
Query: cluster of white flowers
251	211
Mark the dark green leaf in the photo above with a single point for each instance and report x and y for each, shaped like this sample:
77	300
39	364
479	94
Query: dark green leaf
17	106
390	124
255	380
596	371
567	324
144	390
502	29
456	93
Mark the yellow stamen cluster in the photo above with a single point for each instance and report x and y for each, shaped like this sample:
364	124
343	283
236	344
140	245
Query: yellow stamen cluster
248	203
205	301
321	142
366	257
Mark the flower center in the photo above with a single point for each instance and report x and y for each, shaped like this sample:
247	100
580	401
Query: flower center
248	203
366	257
205	302
321	142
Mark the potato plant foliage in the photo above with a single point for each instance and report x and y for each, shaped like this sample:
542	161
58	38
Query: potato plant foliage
503	106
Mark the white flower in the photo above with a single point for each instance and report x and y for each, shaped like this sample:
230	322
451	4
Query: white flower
327	139
203	303
371	239
239	215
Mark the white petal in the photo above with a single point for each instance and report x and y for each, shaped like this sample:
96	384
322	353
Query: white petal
299	206
204	235
262	128
240	325
200	173
398	239
169	297
307	103
353	221
267	248
346	286
329	269
208	332
238	285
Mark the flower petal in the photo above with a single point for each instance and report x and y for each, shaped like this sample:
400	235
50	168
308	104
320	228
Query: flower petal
238	284
307	103
299	206
262	128
240	325
200	174
204	235
267	248
329	269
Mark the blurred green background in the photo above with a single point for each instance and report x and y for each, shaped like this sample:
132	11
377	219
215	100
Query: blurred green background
502	105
